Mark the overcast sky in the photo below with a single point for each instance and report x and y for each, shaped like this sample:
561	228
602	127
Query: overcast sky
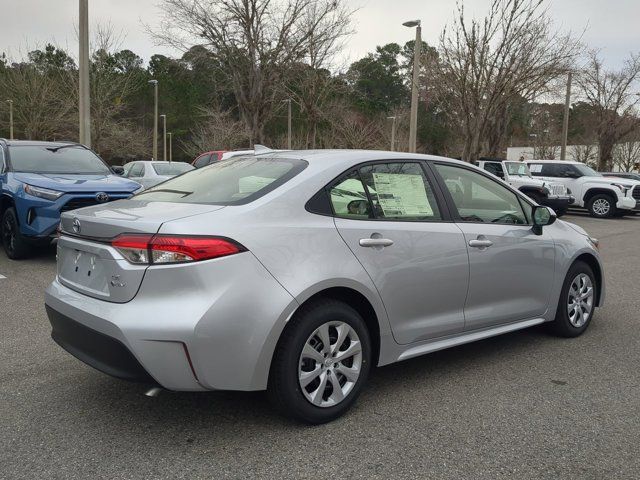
612	25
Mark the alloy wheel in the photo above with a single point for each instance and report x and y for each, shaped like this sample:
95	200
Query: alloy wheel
330	364
601	207
8	234
580	301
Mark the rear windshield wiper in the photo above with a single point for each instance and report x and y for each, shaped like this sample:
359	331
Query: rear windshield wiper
166	190
55	149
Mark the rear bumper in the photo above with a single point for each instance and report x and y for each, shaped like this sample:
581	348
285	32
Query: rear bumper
212	325
102	352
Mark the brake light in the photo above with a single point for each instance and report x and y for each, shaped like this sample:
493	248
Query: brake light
146	249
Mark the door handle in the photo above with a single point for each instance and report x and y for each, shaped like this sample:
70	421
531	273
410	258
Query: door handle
375	242
480	243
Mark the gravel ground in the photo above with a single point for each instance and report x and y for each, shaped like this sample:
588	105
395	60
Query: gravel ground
524	405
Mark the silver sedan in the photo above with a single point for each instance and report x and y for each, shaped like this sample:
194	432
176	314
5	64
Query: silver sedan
296	272
151	173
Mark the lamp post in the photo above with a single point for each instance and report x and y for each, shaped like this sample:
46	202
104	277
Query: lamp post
164	137
393	132
10	102
83	72
565	121
154	156
170	146
288	101
413	125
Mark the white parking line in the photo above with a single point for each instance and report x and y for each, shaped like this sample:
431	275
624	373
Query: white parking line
2	276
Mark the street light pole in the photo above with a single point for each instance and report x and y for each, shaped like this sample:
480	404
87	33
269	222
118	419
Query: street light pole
565	122
83	71
164	137
10	102
170	146
154	156
288	100
393	132
413	125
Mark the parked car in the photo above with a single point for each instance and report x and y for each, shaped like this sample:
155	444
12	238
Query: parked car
40	180
603	197
628	175
151	173
517	174
207	158
256	274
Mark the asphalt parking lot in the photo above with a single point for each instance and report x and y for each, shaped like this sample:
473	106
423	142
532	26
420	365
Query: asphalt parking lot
524	405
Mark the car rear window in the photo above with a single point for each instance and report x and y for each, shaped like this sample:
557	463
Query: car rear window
174	168
232	182
72	159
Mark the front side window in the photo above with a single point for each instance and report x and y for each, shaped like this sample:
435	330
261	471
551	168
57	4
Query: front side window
137	170
233	182
518	168
65	159
349	198
479	199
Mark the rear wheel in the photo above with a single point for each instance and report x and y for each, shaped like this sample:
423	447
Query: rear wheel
602	206
561	212
15	246
577	302
321	363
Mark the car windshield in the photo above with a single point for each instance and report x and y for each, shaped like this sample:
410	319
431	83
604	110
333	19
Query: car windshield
518	168
173	168
586	170
67	160
232	182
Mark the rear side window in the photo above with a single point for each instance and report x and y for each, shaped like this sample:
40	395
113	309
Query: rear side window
494	168
234	182
389	191
173	168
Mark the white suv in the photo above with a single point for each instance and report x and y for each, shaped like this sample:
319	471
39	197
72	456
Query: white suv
604	197
517	174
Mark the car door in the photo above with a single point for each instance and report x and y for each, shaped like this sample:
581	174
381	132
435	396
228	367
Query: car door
511	269
391	219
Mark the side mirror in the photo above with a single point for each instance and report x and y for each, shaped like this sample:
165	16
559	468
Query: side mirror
542	216
358	207
118	170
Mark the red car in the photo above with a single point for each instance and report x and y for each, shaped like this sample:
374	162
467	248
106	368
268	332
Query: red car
207	158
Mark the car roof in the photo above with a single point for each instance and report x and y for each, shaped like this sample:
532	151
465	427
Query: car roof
37	143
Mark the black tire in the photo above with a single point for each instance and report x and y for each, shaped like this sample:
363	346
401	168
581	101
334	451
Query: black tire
561	212
15	246
600	200
535	197
562	325
284	389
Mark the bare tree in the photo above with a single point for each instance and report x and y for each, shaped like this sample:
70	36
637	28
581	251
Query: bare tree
587	153
487	64
256	42
612	94
626	155
217	128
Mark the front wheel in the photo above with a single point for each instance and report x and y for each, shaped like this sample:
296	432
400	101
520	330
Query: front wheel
577	302
321	363
15	246
602	206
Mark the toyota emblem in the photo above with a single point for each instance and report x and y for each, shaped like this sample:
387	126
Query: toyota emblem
102	197
76	225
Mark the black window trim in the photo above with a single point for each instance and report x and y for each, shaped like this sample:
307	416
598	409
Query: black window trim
441	202
452	206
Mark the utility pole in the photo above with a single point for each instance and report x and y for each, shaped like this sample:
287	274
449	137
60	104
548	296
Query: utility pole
164	137
170	146
83	59
413	125
393	132
565	123
10	102
154	156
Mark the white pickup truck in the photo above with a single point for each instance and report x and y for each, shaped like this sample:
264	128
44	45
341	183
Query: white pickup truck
602	196
516	174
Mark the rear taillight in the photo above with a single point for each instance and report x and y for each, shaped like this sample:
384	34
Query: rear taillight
145	249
